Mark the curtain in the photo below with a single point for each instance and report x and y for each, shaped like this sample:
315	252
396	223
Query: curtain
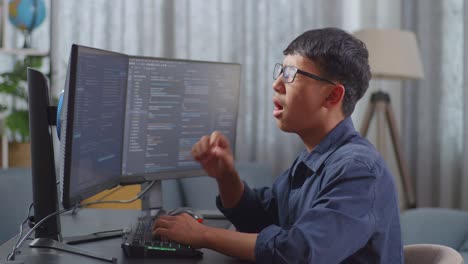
435	123
252	33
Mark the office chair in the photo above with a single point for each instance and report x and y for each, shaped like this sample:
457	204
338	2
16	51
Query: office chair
431	254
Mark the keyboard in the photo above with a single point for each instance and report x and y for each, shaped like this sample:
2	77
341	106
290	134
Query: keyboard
140	243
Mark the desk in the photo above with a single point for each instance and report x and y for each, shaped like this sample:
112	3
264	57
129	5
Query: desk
94	220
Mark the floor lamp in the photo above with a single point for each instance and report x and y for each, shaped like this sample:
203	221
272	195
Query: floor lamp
393	54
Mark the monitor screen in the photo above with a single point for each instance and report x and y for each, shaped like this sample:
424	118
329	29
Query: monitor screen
95	99
128	119
170	105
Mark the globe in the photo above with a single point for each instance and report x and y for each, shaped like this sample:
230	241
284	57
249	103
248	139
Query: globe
26	15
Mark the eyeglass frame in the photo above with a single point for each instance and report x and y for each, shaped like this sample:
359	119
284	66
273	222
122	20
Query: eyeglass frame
310	75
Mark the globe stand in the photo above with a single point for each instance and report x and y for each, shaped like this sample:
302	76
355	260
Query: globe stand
27	39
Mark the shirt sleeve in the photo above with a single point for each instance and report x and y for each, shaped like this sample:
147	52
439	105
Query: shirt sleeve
338	223
256	209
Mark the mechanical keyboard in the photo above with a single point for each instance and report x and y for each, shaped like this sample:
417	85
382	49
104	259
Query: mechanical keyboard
140	243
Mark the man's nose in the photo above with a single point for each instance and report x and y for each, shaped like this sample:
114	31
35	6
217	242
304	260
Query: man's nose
278	85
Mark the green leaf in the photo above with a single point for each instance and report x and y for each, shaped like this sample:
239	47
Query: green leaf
33	61
14	83
18	123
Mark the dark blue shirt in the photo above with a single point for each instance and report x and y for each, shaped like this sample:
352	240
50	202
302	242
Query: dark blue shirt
336	204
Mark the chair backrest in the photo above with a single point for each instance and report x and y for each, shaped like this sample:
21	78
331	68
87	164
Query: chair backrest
431	254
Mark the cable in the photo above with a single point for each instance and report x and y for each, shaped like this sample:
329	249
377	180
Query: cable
21	228
77	207
21	241
100	201
119	187
11	256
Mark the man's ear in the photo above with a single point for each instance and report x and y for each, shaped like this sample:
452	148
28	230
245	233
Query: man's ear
335	97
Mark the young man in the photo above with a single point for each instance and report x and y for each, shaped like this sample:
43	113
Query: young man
337	203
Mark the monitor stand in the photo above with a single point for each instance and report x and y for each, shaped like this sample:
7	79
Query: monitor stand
152	201
53	244
45	198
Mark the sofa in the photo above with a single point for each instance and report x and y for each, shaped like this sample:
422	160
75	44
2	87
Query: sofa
448	227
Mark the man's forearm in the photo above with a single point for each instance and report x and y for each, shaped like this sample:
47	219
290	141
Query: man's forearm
232	243
230	190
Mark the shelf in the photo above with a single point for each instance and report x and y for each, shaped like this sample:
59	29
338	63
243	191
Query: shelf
24	52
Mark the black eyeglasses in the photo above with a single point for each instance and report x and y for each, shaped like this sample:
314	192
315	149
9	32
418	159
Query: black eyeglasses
289	73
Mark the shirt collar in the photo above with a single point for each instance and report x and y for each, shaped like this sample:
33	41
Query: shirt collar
334	139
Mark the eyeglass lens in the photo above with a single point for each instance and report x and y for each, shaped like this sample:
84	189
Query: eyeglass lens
288	73
277	71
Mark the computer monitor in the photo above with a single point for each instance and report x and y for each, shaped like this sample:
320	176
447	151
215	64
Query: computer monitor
91	123
130	119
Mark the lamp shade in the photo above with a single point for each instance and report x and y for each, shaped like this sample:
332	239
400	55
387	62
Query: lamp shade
393	54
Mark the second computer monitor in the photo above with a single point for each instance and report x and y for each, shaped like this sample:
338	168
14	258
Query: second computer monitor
129	119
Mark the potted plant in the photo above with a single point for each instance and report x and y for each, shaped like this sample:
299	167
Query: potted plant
13	86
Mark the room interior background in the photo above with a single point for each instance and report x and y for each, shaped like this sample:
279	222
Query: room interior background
430	112
435	123
253	33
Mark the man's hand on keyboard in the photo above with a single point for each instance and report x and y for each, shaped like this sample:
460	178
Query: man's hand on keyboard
182	228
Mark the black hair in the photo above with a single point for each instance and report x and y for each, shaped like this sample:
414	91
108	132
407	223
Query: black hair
339	57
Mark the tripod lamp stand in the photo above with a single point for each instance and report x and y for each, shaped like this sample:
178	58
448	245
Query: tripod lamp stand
393	54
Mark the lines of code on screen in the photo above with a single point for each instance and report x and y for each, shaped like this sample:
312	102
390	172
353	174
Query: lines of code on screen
170	105
97	129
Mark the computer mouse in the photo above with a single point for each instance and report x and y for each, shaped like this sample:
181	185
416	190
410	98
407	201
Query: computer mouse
190	211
